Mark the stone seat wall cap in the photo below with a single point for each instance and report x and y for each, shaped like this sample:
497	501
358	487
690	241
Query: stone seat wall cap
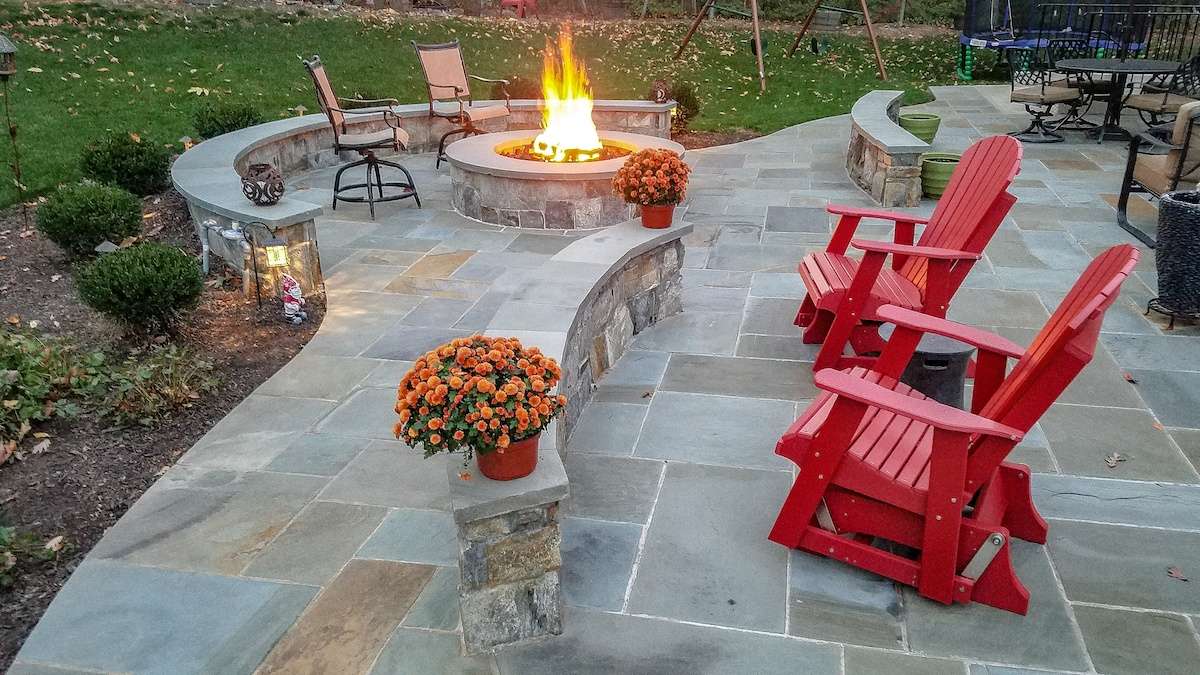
621	242
481	497
870	114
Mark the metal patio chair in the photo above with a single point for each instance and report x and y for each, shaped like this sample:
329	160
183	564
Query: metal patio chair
1031	86
1162	158
449	89
1092	87
365	143
1165	100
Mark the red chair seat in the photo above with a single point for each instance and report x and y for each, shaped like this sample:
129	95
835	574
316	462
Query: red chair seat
827	276
889	458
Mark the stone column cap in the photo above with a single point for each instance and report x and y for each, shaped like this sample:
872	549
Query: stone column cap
481	497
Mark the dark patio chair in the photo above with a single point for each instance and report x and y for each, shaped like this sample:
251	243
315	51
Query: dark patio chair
1031	86
365	143
1158	101
1092	87
1162	159
449	89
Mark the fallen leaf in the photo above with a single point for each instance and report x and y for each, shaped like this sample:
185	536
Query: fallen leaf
55	277
41	447
1158	425
137	138
464	475
1128	377
1113	459
55	544
1176	573
14	319
33	70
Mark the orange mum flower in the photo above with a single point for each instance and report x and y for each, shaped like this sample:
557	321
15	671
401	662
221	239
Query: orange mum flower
435	439
486	412
458	435
436	423
501	397
503	441
481	425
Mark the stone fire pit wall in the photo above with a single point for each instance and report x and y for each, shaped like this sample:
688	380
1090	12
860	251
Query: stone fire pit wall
883	158
620	280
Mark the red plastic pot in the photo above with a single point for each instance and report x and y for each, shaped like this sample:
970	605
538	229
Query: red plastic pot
516	461
657	216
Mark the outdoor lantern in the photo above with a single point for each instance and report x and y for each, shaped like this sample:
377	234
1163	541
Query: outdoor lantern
8	62
276	249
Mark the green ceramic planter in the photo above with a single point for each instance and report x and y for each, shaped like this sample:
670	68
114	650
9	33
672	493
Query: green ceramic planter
936	169
922	125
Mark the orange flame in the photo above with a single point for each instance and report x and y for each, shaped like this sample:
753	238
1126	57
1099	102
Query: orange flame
568	135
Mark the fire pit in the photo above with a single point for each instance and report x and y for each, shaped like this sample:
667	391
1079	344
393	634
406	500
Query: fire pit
558	178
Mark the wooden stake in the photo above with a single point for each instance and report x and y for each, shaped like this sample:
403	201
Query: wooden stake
692	30
803	29
874	42
758	51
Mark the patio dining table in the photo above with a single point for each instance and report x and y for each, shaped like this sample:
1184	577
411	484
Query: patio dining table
1120	70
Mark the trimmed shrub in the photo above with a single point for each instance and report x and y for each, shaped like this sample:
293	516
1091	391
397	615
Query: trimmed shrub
518	87
146	287
213	119
137	164
79	217
688	104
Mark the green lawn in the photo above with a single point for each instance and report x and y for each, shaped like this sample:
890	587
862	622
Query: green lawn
84	68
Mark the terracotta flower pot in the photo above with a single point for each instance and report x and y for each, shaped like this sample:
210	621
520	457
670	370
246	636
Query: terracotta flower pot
657	216
516	461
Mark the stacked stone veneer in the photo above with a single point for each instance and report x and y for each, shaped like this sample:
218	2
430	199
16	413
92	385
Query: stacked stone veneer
537	202
883	158
647	289
626	279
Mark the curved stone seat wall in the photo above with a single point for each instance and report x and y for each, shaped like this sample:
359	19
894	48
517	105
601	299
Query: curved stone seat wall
619	281
884	158
208	174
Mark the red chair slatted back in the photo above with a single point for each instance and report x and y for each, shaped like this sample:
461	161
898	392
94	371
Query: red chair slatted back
961	220
1061	349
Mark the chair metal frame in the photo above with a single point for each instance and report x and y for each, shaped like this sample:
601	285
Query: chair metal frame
461	117
1058	49
1025	71
1154	141
337	113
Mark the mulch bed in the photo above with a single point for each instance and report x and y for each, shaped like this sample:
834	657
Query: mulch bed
693	140
91	474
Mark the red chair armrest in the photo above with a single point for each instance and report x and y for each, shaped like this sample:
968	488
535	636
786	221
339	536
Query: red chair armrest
919	251
839	210
946	328
933	413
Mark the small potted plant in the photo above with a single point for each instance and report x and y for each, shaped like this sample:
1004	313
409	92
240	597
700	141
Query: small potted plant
656	180
488	397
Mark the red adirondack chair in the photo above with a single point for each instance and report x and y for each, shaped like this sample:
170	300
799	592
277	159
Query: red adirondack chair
845	294
878	459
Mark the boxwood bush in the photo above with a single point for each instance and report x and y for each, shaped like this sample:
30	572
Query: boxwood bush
214	119
137	164
146	287
79	217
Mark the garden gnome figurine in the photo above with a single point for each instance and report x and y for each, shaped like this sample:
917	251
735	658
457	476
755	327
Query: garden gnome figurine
293	300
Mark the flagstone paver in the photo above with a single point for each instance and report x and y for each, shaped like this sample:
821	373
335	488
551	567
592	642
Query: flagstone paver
298	529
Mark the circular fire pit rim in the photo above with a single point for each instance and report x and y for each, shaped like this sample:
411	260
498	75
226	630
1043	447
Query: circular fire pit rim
478	154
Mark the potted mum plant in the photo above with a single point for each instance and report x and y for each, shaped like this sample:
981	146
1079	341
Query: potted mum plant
489	397
656	180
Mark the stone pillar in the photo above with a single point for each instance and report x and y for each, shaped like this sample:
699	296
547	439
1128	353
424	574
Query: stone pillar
508	543
304	262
